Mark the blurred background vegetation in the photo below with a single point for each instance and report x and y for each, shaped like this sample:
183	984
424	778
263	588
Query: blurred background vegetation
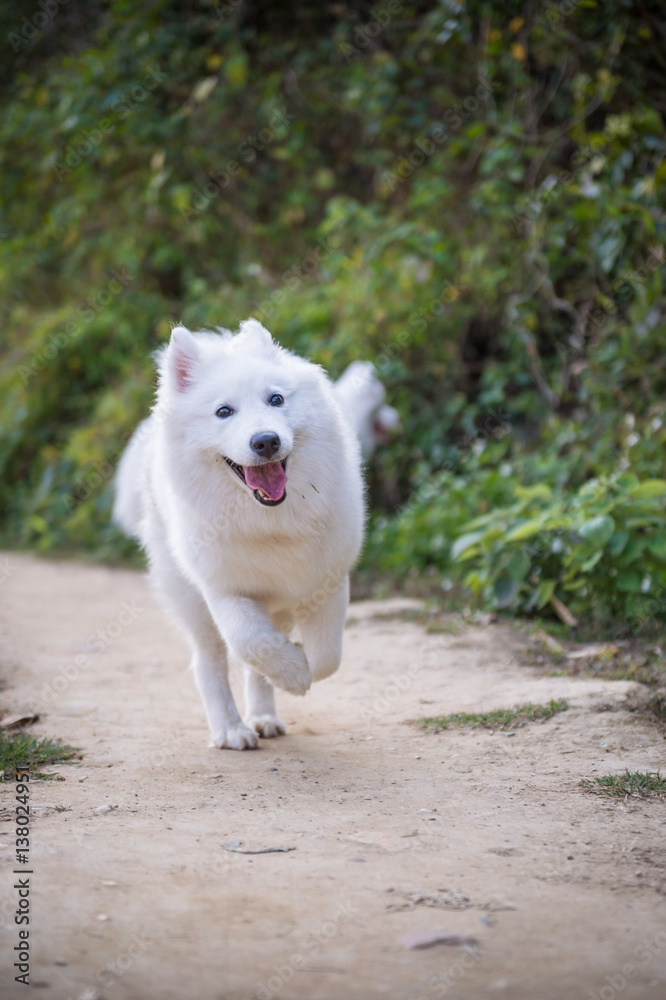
469	195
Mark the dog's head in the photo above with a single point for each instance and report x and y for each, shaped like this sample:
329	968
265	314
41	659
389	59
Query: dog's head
238	400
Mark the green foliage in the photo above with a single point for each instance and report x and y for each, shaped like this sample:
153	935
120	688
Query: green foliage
520	534
503	718
27	752
631	784
471	197
608	539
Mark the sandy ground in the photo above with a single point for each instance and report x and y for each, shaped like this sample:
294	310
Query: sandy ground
133	897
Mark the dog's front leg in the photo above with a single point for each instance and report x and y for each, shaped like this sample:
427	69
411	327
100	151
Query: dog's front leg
322	627
251	636
209	652
209	664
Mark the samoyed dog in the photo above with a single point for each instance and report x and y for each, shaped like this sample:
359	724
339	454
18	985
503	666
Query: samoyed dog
244	486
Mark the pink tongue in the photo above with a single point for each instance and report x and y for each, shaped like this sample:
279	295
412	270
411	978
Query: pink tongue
270	478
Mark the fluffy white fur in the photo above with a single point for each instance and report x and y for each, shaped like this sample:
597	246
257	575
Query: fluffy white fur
235	573
360	396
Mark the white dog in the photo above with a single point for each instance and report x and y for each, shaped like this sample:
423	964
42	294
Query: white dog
244	486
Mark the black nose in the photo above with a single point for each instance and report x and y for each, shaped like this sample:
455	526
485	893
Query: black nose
265	444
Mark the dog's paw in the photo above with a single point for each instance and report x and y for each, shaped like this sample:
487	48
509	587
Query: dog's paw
267	725
289	669
238	737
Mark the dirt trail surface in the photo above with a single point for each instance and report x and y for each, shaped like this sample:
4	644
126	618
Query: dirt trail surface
544	891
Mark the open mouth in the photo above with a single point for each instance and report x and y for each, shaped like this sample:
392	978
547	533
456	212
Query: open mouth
267	481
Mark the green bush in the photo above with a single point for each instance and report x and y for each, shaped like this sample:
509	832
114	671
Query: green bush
518	533
600	550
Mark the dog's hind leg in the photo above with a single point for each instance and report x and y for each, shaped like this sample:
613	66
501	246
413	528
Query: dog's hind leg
260	705
209	654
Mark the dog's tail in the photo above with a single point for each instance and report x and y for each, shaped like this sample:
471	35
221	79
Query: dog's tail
128	507
360	396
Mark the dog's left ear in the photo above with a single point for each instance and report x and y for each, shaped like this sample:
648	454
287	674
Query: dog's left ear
182	357
252	330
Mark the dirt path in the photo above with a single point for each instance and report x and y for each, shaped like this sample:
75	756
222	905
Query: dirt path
140	901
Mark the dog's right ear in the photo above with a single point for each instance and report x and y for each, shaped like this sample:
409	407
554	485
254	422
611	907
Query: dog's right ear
182	358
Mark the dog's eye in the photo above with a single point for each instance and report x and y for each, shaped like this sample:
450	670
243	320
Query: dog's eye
224	411
276	399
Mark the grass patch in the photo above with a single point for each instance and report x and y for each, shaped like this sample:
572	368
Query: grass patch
631	784
502	718
443	627
25	751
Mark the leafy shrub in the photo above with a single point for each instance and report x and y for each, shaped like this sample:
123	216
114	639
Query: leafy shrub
600	550
523	532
